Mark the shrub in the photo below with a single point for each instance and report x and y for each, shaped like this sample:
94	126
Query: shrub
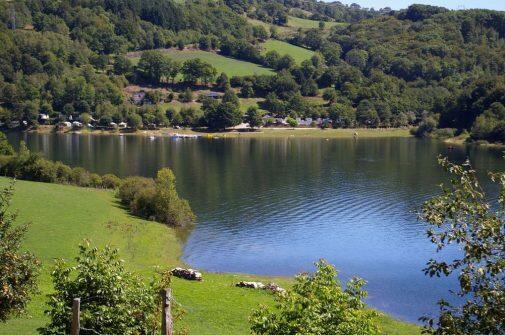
114	301
63	172
292	122
130	186
110	181
317	304
169	208
80	177
95	180
444	133
43	170
143	203
156	199
18	270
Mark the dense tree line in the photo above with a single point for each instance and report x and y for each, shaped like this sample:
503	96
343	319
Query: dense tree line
424	66
449	64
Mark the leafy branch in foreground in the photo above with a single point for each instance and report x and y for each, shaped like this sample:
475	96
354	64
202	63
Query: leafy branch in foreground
318	305
18	270
114	301
462	216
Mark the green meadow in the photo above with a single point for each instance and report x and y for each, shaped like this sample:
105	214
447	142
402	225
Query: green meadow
283	48
230	66
62	216
297	22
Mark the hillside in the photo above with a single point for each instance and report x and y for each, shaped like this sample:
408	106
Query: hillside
62	216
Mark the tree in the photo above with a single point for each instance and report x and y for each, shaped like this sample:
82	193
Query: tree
462	216
153	66
231	97
196	69
122	65
272	59
330	95
226	115
316	304
357	58
114	301
168	206
286	62
18	270
254	117
135	121
222	81
342	116
5	146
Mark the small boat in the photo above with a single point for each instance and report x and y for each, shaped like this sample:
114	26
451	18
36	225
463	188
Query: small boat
152	138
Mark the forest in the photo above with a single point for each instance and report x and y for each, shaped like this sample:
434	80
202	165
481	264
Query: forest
439	71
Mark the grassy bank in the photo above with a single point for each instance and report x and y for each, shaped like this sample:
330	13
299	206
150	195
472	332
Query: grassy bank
62	216
298	22
262	133
230	66
283	48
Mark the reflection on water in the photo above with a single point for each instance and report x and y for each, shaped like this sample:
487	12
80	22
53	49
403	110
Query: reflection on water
274	206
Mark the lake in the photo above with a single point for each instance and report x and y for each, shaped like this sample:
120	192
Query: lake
275	206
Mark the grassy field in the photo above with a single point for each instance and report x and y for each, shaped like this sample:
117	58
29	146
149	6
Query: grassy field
297	22
298	53
230	66
62	216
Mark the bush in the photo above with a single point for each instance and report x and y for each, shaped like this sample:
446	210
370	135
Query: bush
114	301
110	181
317	304
292	122
18	270
80	177
156	199
444	133
63	172
143	203
95	180
169	208
131	186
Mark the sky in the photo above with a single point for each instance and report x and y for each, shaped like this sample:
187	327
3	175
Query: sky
452	4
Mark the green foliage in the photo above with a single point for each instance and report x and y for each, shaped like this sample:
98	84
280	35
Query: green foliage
316	304
224	115
254	117
463	216
156	199
30	166
5	147
196	69
113	300
154	66
18	270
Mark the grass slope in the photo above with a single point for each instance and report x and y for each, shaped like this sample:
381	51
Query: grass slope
230	66
297	22
62	216
283	48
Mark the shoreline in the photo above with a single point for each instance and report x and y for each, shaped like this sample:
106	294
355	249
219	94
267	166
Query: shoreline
260	133
271	132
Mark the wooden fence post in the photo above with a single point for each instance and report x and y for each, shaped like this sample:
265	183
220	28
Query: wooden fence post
167	326
76	316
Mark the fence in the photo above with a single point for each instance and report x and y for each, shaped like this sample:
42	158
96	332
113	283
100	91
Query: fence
167	325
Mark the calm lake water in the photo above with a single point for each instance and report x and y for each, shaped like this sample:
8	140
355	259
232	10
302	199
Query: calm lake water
275	206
